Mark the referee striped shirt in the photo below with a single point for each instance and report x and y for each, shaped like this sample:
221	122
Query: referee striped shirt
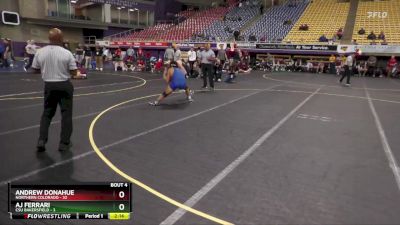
55	63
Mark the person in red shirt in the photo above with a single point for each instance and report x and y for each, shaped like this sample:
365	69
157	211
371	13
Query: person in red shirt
391	64
158	66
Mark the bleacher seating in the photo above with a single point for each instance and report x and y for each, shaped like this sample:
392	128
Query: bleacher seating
196	22
322	17
232	21
270	26
390	24
150	33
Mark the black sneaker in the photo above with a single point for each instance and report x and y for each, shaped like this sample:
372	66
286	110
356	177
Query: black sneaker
41	146
64	147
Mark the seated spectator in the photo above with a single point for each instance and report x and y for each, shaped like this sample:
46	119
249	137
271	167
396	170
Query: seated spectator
244	67
361	31
287	22
303	27
371	36
320	67
252	37
354	42
323	38
334	38
339	33
310	66
362	68
384	42
381	36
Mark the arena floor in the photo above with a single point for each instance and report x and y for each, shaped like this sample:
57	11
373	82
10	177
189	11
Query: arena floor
281	148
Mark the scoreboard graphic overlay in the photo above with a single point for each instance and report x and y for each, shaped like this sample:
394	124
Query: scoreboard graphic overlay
70	201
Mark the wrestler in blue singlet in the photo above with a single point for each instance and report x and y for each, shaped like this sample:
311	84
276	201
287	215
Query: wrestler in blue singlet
178	80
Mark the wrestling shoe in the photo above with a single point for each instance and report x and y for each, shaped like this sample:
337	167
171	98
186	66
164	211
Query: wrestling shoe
155	103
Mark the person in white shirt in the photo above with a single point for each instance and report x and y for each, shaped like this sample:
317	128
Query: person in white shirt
348	68
192	56
56	64
30	50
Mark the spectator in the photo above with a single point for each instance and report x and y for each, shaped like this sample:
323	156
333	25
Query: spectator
66	45
79	54
371	65
2	50
371	36
117	60
361	31
244	67
169	54
261	9
381	36
236	34
222	56
7	55
391	64
31	50
334	38
99	57
192	59
303	27
287	22
321	67
252	37
130	53
323	38
354	42
362	68
88	56
177	53
339	33
332	60
384	42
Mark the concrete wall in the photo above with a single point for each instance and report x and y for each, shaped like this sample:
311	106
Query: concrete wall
38	32
32	8
94	12
9	5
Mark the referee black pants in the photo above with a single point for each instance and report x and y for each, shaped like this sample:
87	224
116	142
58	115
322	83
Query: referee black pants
207	70
347	73
57	93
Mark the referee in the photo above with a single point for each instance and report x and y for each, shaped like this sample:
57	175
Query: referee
56	65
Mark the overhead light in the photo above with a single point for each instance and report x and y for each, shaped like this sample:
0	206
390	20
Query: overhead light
73	1
119	8
136	9
131	10
122	7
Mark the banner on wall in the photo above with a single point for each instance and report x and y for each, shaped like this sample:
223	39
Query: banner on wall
246	45
297	47
139	44
369	49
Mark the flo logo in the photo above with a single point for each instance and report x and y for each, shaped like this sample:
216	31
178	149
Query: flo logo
344	48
